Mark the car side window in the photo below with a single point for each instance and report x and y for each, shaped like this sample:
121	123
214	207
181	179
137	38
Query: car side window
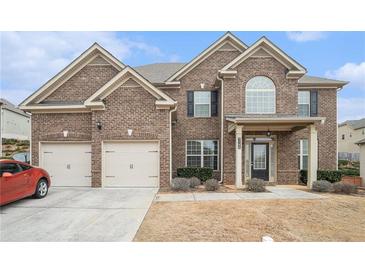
9	167
24	167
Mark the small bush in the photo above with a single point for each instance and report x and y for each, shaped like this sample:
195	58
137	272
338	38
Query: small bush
211	185
346	188
329	175
256	185
350	171
194	182
303	176
322	186
202	173
180	184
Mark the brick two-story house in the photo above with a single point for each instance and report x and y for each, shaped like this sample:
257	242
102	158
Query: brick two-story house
245	111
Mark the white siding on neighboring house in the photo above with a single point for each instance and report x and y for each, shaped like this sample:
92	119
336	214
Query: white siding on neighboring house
347	138
14	125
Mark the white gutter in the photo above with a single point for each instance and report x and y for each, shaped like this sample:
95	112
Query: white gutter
222	125
170	152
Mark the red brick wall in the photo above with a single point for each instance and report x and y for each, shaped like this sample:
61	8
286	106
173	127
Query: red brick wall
190	128
84	83
130	108
286	103
126	107
50	127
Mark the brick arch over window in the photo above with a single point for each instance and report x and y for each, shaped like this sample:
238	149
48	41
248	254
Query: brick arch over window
260	95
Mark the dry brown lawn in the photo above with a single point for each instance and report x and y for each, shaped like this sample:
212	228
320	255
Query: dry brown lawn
337	218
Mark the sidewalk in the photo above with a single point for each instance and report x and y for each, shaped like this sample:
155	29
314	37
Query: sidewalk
275	193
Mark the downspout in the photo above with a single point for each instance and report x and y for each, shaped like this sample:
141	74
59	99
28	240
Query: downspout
338	89
222	125
170	152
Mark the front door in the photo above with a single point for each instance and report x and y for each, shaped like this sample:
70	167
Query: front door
260	161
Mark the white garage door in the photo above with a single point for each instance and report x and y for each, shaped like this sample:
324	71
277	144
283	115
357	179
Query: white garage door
69	164
131	164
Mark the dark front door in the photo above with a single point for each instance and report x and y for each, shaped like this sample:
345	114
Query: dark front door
260	161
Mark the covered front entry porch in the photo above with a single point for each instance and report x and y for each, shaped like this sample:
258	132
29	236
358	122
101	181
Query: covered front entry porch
265	147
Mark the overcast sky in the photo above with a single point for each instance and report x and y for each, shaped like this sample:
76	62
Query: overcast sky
29	59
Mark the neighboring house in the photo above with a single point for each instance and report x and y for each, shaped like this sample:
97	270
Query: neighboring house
361	145
350	132
244	111
14	123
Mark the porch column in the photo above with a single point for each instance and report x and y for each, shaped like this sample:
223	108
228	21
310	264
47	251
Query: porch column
312	156
238	178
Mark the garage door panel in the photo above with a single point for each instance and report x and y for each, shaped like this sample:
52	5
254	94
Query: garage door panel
69	164
131	164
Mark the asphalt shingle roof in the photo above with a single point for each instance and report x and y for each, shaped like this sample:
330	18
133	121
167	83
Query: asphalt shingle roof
159	72
307	79
355	124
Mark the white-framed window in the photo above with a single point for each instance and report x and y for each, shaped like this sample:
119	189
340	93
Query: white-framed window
202	103
260	95
202	153
303	154
304	103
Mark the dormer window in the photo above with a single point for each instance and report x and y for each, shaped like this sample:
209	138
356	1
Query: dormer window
260	95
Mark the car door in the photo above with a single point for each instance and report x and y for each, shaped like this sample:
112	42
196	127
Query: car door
25	185
11	187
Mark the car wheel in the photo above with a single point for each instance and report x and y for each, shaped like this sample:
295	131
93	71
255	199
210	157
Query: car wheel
42	189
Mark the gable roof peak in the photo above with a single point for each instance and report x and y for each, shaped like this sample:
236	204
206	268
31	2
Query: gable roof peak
228	36
119	79
293	66
76	65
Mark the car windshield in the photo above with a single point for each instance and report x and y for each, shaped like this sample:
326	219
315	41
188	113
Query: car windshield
22	157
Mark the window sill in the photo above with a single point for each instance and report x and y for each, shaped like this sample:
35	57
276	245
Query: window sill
202	117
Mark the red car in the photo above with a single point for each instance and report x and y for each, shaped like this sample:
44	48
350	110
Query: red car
19	180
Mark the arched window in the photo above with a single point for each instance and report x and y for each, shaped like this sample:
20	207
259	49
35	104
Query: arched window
260	95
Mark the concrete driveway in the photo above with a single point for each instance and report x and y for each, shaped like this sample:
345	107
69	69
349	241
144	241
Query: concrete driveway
77	214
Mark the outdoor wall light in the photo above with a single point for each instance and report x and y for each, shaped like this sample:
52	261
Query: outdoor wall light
268	133
130	131
65	133
98	125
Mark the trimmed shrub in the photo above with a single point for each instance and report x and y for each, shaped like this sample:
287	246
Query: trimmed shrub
211	185
350	172
202	173
256	185
322	186
340	187
194	182
180	184
329	175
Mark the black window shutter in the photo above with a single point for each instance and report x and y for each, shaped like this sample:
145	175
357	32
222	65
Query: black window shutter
190	95
214	103
314	103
